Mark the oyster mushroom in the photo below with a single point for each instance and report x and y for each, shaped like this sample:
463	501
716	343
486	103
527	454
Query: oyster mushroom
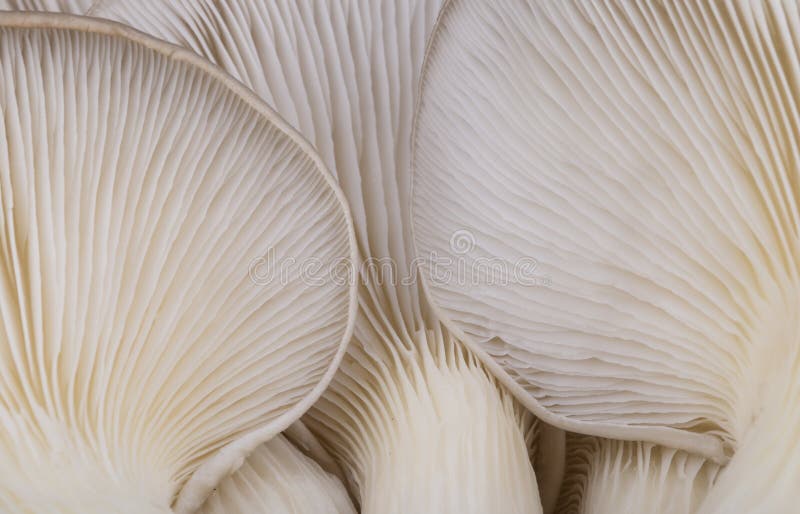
633	167
140	360
408	401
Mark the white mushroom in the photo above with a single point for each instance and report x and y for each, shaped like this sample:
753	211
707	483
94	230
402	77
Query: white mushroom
140	356
426	429
632	169
408	402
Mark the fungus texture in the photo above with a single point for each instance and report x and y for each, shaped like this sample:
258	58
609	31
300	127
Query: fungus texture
605	476
140	355
277	478
407	399
631	167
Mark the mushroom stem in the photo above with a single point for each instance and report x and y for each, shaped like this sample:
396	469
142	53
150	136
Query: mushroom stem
428	430
763	473
279	478
607	476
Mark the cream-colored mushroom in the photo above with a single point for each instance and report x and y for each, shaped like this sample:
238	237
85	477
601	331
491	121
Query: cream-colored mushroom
632	168
140	355
409	406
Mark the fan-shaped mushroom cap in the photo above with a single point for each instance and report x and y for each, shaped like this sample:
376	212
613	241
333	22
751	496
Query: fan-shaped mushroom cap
140	348
608	477
65	6
278	479
345	74
632	168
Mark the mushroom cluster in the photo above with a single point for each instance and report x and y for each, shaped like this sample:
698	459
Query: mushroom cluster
399	256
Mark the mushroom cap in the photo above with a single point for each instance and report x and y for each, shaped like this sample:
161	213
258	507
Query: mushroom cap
616	182
345	74
156	223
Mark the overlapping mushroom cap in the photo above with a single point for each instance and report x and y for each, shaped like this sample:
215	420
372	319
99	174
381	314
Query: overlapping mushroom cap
345	74
157	321
644	161
605	209
617	182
